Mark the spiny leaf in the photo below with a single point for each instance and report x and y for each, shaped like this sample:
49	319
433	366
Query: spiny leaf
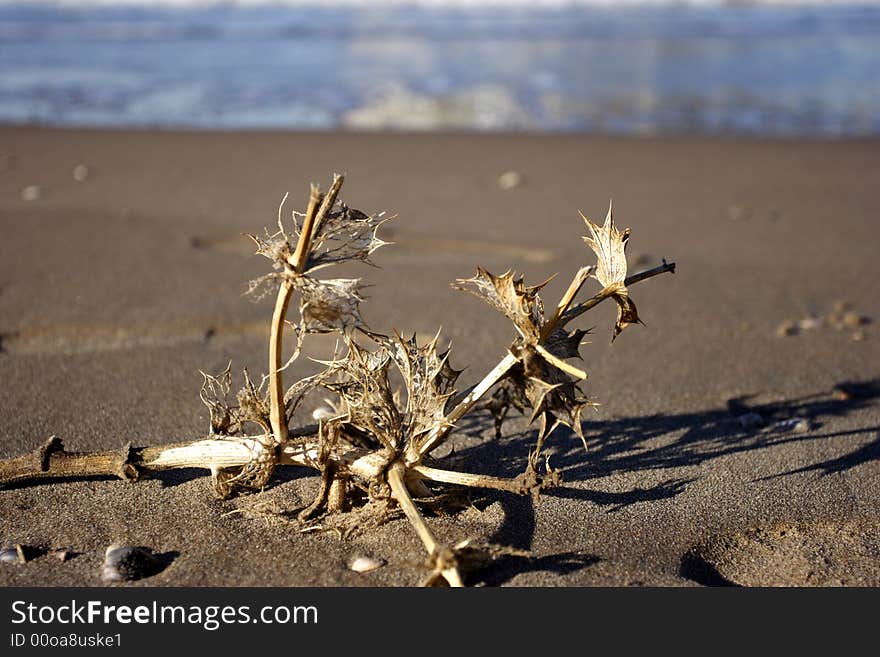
361	381
552	396
566	344
429	381
511	297
609	245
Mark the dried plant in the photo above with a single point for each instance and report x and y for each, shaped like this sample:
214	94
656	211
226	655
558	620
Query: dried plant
376	444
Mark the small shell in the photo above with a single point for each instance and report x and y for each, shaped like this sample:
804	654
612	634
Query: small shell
13	555
365	564
128	563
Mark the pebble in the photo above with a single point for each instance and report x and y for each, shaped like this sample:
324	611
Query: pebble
128	563
750	421
32	193
80	173
13	555
795	424
510	180
366	564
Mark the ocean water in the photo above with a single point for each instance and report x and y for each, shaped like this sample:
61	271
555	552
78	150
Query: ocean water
661	67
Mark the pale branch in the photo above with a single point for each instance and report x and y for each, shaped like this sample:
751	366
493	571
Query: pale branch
298	259
326	205
442	559
277	410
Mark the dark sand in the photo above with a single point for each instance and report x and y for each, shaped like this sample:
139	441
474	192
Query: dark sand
115	291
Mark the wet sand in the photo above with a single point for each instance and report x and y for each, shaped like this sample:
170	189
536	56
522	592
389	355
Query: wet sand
115	290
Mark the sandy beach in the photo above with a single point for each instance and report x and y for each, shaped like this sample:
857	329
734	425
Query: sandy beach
738	434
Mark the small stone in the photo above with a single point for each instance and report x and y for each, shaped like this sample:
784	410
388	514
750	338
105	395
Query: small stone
510	180
795	424
366	564
13	554
750	421
80	173
128	563
787	328
858	335
32	193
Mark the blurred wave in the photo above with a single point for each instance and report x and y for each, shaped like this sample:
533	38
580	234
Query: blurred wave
666	66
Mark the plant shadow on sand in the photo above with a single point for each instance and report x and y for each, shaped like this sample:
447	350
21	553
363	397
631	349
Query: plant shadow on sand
653	442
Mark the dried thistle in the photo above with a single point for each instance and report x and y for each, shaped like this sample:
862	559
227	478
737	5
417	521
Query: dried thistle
374	444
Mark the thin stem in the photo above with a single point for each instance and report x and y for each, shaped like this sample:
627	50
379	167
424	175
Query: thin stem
277	410
317	209
301	253
396	479
327	203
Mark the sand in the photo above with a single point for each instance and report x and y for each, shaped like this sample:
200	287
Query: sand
119	283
